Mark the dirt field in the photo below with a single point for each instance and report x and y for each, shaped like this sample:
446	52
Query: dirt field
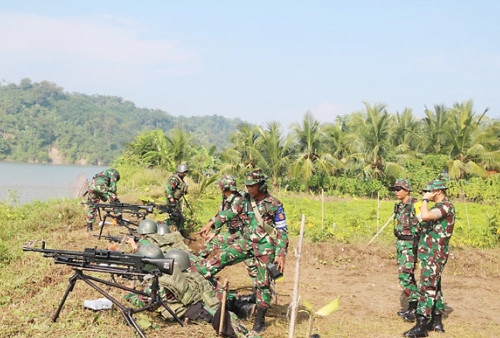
365	278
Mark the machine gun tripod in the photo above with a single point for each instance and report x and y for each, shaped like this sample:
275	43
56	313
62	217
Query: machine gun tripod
114	211
115	263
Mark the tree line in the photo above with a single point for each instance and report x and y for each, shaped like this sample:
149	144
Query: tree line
86	129
357	154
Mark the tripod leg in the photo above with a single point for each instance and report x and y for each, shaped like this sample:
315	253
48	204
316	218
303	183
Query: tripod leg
172	313
130	321
72	282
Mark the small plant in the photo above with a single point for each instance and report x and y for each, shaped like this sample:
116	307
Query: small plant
325	311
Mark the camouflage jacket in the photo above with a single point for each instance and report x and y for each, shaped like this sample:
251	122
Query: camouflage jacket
235	200
176	187
104	183
273	216
437	233
407	223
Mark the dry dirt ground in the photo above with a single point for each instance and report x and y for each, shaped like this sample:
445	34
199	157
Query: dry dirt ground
364	277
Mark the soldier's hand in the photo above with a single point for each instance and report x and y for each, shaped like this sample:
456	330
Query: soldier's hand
205	230
114	246
280	260
428	195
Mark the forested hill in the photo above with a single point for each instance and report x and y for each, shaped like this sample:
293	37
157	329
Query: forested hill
38	119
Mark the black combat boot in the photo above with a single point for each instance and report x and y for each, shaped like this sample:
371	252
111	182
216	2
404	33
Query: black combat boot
419	330
89	226
435	324
411	305
249	298
259	324
409	315
244	310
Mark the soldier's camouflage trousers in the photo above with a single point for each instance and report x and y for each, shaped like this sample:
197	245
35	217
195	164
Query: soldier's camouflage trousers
94	197
220	240
237	252
430	297
175	217
407	261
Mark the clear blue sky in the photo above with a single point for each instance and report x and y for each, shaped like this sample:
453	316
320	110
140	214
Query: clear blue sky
258	60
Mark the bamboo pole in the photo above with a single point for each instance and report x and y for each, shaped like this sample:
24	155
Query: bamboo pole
381	229
293	315
378	210
322	210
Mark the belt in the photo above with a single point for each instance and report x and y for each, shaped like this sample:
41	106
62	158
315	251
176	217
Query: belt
404	237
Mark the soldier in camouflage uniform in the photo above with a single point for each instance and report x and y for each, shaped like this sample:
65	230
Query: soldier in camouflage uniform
256	246
231	199
175	191
433	253
188	294
102	188
407	230
149	233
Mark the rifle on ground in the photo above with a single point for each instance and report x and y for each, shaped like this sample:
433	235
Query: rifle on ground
118	239
113	262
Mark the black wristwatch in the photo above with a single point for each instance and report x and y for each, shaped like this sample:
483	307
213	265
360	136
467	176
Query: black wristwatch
425	200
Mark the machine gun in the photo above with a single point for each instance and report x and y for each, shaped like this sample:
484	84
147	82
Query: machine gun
114	211
112	262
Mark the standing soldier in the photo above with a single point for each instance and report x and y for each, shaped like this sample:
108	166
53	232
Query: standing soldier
231	199
433	253
102	188
255	246
270	214
175	191
407	231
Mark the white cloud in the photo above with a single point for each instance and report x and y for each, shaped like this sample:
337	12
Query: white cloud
97	50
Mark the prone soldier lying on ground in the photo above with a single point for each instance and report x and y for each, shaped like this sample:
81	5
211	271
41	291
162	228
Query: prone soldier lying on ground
193	298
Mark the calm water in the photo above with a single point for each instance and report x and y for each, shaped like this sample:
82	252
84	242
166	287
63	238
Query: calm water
28	182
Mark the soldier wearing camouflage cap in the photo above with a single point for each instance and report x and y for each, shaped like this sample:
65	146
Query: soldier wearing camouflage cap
231	199
407	230
264	237
175	191
433	252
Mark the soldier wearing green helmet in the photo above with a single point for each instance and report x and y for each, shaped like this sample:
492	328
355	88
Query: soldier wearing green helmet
101	188
151	232
433	253
231	199
175	191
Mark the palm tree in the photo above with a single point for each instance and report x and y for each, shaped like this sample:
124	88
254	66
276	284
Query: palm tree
311	156
151	148
272	151
244	140
471	147
180	143
434	131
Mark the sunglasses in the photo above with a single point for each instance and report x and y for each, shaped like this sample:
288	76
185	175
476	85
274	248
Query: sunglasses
397	189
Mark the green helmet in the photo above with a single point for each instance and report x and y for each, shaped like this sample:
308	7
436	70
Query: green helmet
227	182
182	168
150	250
162	229
256	176
147	226
181	258
435	185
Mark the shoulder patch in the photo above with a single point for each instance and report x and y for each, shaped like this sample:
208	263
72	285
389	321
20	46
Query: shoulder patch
279	218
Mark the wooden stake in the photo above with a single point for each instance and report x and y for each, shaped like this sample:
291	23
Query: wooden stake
223	308
378	210
322	210
294	304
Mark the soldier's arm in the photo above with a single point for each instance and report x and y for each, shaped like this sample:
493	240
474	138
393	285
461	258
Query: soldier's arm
426	213
281	232
227	215
171	186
